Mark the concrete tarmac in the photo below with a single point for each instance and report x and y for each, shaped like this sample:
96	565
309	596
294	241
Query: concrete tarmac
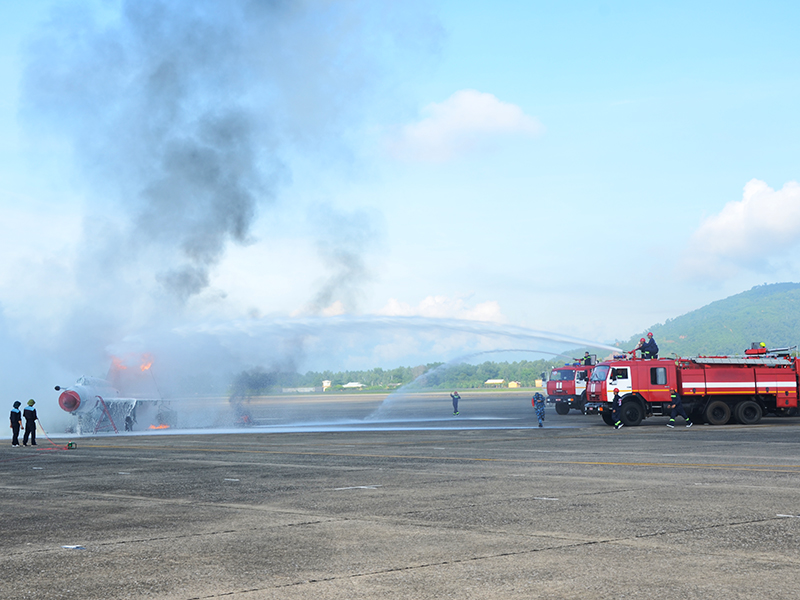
483	505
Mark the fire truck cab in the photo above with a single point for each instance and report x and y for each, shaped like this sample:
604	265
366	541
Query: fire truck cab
566	387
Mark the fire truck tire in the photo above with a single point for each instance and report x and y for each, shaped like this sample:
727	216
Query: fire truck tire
562	408
748	412
632	413
607	418
718	413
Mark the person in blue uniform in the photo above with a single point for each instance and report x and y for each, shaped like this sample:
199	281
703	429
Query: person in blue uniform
455	398
677	409
16	423
650	348
30	423
538	406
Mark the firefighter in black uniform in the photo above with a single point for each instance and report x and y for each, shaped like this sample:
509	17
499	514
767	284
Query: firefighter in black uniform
30	423
16	422
677	409
616	411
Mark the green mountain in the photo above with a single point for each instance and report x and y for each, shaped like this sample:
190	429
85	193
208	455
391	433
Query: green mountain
766	313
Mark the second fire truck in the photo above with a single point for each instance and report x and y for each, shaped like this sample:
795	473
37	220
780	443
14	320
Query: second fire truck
567	385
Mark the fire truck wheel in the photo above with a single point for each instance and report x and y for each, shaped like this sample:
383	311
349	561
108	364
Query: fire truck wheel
748	412
631	413
562	408
607	418
718	413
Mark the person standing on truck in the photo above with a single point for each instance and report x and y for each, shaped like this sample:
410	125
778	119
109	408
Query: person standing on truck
616	410
648	347
538	406
677	409
455	398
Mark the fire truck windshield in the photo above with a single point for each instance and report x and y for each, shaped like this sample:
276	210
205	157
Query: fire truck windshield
562	375
599	373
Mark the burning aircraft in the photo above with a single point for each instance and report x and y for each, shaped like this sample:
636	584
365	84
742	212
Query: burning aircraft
127	399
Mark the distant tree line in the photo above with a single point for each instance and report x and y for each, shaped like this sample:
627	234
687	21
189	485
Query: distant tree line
430	376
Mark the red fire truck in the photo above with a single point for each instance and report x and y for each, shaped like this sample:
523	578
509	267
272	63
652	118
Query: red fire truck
567	385
714	389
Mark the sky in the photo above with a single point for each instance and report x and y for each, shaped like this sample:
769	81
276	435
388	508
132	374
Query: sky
349	184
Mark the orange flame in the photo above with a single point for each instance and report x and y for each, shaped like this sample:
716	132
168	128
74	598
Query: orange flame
159	426
117	363
147	362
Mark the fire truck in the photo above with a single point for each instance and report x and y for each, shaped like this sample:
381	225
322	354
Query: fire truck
713	389
567	385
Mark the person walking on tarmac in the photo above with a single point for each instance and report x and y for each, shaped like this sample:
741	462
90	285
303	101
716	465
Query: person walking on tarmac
538	406
455	398
16	422
677	409
616	410
30	423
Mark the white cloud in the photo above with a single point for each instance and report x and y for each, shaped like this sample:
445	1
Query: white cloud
746	234
468	120
443	307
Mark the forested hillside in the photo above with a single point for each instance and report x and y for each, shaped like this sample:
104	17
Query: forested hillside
766	313
430	376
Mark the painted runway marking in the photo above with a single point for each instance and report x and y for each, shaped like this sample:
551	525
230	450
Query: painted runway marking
227	479
358	487
542	498
788	516
123	473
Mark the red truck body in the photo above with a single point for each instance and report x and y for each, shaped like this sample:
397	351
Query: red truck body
567	387
714	389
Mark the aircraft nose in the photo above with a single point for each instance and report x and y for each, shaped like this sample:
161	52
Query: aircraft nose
69	400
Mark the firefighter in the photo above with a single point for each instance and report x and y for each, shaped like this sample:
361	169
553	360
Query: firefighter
538	405
648	347
587	360
455	398
677	409
16	421
616	411
30	423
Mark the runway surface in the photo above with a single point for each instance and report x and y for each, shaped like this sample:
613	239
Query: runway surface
415	504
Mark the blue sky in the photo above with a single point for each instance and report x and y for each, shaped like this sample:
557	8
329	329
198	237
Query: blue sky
585	168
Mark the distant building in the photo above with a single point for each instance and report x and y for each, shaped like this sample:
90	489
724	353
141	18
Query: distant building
326	384
494	382
514	384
